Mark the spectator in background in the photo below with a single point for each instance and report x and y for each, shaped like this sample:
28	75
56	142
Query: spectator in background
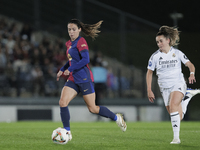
10	75
22	69
14	31
3	25
37	81
3	59
59	58
50	82
10	43
98	58
26	32
35	57
100	79
111	79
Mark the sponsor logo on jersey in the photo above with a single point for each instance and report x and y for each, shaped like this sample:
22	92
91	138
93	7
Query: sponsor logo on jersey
167	62
160	58
83	45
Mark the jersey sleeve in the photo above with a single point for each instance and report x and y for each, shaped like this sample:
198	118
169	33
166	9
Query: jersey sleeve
183	57
84	61
65	67
151	63
82	45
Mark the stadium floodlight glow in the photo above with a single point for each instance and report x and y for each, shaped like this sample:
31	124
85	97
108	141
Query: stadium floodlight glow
175	16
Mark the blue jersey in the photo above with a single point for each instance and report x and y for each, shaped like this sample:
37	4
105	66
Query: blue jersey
78	56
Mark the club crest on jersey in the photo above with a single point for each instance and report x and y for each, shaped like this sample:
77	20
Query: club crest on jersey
70	47
173	55
69	57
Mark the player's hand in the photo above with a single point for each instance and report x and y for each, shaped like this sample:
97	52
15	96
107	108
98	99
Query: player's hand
66	72
151	96
59	74
192	79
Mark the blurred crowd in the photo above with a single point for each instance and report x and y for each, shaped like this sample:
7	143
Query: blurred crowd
26	65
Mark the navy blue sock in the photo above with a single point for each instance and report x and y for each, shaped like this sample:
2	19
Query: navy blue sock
105	112
65	117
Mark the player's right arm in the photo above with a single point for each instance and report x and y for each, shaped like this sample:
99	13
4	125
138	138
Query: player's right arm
150	94
63	69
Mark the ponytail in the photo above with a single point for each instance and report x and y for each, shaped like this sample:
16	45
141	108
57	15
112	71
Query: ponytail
88	29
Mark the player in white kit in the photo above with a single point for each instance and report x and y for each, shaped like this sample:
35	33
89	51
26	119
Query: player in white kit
167	62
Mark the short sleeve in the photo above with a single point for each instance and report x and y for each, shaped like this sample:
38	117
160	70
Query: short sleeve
151	63
82	45
183	57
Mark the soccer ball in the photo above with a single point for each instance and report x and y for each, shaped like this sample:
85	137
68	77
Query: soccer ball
60	136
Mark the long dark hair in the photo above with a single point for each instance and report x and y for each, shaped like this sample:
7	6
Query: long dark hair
88	29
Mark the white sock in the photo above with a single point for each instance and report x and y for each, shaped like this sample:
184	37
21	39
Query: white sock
175	121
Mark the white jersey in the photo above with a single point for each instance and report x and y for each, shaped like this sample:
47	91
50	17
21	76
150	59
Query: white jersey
168	67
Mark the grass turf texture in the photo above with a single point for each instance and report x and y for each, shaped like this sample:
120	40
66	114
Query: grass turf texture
99	136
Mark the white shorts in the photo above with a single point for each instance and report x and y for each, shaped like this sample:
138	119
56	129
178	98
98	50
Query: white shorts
165	92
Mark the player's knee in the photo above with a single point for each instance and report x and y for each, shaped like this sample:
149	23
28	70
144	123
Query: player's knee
93	110
62	102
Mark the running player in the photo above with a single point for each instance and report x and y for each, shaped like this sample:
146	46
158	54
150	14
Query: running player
167	62
80	76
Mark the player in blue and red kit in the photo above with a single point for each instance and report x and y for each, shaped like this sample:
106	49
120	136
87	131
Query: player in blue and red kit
80	76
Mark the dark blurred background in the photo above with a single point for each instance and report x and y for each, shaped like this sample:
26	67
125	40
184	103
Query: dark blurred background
33	35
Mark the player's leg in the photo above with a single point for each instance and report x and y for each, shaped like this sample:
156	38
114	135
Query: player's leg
175	110
188	96
89	95
102	110
67	95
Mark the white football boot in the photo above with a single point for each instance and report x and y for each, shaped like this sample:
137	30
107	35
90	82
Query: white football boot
175	141
70	135
120	122
192	92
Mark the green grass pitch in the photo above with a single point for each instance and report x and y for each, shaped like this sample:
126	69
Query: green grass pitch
32	135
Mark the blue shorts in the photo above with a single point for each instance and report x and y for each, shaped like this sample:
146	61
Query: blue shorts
84	88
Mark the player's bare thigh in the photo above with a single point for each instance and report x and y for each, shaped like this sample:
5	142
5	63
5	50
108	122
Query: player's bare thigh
175	102
90	102
67	94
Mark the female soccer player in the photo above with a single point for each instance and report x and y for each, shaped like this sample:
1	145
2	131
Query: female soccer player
80	76
167	62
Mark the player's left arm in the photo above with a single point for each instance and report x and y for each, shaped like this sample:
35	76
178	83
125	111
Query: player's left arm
191	67
192	72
